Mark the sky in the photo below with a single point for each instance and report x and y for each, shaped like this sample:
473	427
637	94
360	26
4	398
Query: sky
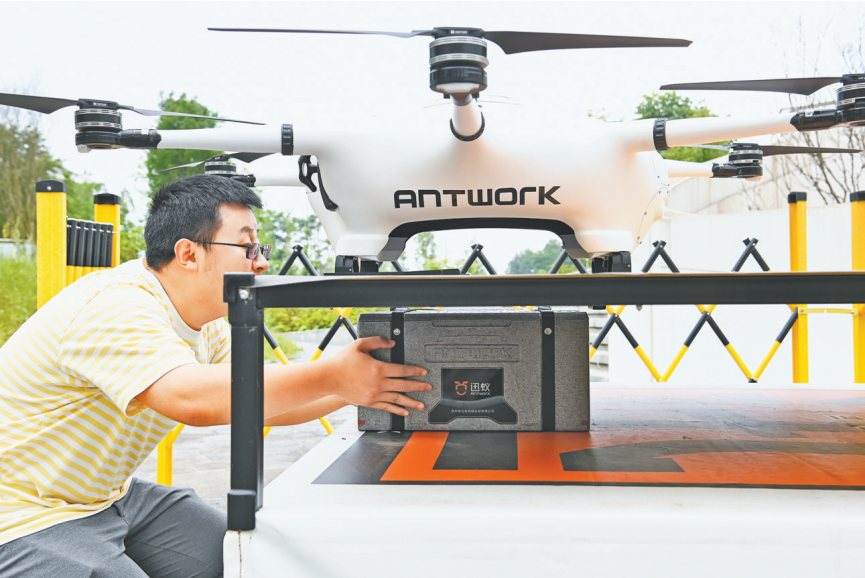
133	53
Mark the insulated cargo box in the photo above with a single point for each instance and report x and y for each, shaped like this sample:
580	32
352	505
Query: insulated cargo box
491	369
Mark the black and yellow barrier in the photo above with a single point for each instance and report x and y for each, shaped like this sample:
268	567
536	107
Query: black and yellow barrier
90	247
107	210
857	213
50	240
705	318
67	249
799	262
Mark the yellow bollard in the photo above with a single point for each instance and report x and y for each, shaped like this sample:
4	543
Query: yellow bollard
799	262
50	240
165	456
107	210
857	210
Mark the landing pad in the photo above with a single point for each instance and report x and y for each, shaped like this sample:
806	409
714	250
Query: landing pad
669	482
765	439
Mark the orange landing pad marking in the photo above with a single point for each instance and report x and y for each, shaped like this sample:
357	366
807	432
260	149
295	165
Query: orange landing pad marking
762	438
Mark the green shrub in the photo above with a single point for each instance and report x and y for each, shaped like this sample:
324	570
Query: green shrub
282	320
289	348
17	293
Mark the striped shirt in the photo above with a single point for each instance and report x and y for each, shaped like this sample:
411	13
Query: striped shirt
71	430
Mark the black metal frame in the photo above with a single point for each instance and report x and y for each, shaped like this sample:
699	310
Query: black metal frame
248	295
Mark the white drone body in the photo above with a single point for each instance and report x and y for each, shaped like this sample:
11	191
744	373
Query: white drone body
478	163
599	186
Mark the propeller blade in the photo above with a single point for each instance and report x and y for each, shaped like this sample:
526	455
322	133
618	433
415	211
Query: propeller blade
248	157
41	104
770	150
187	166
804	86
510	42
146	112
304	31
515	42
716	147
47	105
242	157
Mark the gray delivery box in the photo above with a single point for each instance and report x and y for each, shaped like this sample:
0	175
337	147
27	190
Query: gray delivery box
491	369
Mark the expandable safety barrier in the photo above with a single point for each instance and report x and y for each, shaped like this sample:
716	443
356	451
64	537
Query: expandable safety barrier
704	319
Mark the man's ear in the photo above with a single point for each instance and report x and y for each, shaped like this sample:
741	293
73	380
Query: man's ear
185	255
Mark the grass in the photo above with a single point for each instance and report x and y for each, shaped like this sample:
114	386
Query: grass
17	293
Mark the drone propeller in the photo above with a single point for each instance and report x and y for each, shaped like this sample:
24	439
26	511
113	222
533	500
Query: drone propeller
47	105
510	42
803	86
221	160
771	150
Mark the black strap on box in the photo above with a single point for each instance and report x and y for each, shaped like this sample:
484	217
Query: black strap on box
397	355
548	370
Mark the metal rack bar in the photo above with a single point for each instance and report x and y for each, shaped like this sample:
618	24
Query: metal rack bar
247	295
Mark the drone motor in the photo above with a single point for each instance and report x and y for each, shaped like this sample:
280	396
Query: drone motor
457	61
851	100
220	165
744	163
98	127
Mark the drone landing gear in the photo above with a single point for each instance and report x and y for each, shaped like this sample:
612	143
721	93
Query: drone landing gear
348	265
618	262
344	265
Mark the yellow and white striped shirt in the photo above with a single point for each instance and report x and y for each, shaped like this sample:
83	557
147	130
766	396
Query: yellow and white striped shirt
71	430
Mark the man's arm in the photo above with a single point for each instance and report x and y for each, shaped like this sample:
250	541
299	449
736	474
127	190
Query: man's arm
200	395
309	412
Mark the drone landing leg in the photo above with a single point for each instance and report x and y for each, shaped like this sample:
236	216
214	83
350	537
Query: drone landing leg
349	264
618	262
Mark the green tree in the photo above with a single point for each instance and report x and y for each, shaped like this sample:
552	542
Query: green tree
275	228
24	160
540	262
132	233
161	159
671	106
305	231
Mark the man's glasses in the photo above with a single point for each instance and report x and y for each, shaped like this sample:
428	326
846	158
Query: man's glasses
252	249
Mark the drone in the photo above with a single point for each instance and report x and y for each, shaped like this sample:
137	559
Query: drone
472	163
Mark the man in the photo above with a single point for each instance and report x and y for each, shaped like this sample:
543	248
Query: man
93	381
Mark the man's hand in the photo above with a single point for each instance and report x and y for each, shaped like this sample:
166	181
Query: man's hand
362	380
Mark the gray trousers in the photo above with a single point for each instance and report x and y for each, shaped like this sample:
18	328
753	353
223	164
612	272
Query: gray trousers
154	531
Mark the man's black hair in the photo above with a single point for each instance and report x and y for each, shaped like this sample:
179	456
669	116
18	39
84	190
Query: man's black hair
188	208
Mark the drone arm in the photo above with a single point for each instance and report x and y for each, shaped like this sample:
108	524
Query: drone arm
266	139
467	120
693	131
282	178
642	135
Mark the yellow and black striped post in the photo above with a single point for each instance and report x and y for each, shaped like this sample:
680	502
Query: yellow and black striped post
857	210
799	262
691	337
107	210
614	316
791	323
71	249
50	240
